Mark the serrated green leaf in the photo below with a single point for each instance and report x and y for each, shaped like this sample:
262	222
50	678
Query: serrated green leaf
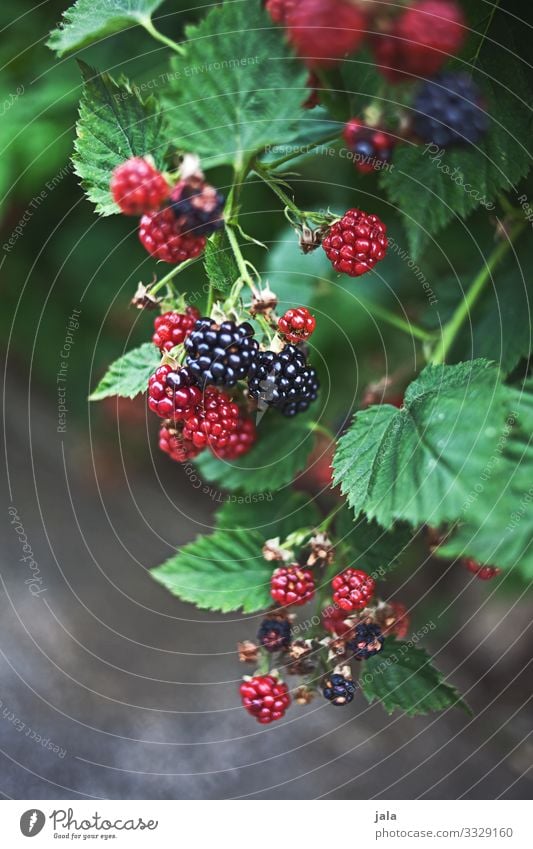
431	188
237	89
88	21
280	453
219	263
128	375
114	124
402	677
270	515
419	463
503	536
372	548
222	571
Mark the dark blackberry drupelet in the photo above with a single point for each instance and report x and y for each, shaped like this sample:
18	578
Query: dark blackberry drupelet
338	690
448	110
198	207
274	634
367	640
285	381
220	354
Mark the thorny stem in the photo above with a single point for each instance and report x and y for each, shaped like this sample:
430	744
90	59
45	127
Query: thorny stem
452	328
272	166
148	25
396	321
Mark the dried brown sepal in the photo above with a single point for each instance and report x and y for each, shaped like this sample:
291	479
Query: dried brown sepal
143	300
248	652
322	551
304	695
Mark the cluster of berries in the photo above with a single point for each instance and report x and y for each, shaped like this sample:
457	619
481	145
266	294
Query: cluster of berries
174	220
409	44
197	413
354	630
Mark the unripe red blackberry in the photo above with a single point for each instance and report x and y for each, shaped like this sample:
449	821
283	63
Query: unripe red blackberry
198	207
484	573
333	621
172	442
422	39
137	187
161	235
213	421
324	31
352	589
279	9
356	242
297	325
173	394
291	585
370	146
172	328
265	697
395	620
221	354
240	442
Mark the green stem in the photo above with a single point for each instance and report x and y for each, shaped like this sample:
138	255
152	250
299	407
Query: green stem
147	23
239	259
452	328
316	427
395	320
171	274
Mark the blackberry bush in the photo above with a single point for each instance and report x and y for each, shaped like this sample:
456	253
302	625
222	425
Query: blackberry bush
425	412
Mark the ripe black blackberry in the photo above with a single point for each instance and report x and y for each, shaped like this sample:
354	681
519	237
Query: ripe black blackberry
274	634
448	110
285	381
338	690
367	640
220	354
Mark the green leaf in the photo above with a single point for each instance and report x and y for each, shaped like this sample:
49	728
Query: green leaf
219	263
372	548
431	188
402	677
281	451
419	463
237	89
114	124
222	571
503	535
128	375
270	515
88	21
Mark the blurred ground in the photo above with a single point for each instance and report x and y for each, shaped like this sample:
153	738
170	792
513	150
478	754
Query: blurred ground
138	691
